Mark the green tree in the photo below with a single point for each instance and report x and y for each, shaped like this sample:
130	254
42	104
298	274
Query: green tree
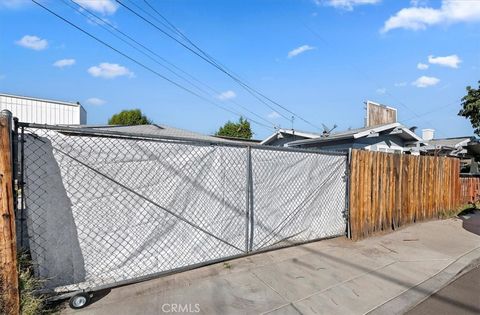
471	107
129	117
236	130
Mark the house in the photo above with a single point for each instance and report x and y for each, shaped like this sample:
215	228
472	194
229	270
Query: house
43	111
393	137
455	147
381	132
466	148
283	136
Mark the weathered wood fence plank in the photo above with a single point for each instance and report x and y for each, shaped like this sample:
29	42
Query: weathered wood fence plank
391	190
469	189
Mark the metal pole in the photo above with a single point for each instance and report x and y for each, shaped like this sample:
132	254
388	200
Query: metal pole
251	208
15	164
247	200
22	185
347	201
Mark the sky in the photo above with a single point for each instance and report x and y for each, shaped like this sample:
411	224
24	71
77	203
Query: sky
315	60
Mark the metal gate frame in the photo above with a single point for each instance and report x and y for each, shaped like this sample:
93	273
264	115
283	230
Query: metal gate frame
19	171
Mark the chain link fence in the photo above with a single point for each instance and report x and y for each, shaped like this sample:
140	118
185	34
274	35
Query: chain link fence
102	208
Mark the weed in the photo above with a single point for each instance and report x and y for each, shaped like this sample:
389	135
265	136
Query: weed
31	303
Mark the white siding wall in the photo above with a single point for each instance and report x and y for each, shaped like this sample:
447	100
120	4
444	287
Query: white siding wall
43	111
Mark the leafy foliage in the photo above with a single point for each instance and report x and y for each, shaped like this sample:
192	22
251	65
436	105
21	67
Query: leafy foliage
236	130
471	107
129	117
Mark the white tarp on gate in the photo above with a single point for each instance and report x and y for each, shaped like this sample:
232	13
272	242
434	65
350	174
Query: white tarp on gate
101	210
298	197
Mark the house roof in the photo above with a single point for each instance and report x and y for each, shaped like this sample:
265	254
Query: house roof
395	128
249	141
303	134
163	130
74	104
453	146
167	131
448	142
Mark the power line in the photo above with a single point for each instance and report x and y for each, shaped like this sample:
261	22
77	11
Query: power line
368	77
434	110
375	83
172	26
143	65
193	51
181	34
101	24
255	93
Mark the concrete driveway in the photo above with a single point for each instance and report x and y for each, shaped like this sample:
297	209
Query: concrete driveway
383	274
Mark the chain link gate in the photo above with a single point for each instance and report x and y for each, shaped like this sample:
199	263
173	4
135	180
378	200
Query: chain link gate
103	208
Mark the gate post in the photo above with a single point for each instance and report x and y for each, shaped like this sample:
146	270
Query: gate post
347	201
8	245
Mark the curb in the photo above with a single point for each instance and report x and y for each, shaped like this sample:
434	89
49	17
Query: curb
410	298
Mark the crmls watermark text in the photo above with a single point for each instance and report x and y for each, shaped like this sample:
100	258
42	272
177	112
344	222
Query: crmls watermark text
180	308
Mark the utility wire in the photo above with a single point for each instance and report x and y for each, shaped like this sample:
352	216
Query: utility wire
196	53
176	30
102	24
371	79
181	34
434	110
255	93
143	65
81	11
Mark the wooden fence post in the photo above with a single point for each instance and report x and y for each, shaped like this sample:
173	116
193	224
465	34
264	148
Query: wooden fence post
8	247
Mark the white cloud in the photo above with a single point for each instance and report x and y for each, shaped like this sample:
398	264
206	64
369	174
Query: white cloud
273	115
95	101
400	84
227	95
381	91
424	81
299	50
419	18
13	4
64	63
418	3
105	7
451	61
32	42
109	71
345	4
422	66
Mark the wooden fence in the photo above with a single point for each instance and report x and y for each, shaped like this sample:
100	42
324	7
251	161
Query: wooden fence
470	189
390	190
8	251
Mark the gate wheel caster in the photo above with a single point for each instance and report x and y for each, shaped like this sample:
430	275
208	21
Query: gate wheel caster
79	300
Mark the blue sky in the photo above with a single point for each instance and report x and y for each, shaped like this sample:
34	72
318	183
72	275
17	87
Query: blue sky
320	59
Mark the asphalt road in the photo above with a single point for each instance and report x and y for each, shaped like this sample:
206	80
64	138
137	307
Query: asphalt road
462	296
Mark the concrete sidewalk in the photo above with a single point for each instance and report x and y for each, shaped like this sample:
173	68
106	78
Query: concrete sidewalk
383	274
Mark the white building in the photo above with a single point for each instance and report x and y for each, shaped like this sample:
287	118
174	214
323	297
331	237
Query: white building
42	111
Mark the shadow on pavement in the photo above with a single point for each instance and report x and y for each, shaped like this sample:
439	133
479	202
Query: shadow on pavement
459	305
471	220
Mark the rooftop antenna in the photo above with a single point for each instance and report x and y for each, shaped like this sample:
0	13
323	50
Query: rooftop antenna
327	130
292	120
